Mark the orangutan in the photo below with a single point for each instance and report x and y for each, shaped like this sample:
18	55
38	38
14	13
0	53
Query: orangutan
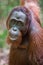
25	34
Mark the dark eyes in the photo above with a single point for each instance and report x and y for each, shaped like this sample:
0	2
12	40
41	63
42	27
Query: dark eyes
20	23
11	23
15	23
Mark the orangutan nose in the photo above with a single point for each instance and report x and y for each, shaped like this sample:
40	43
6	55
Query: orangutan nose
14	33
15	29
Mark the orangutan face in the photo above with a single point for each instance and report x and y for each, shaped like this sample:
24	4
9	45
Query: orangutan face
17	25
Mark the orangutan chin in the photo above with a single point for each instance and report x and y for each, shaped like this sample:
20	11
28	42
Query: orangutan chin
25	34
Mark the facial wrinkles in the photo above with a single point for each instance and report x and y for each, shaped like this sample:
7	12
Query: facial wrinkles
18	15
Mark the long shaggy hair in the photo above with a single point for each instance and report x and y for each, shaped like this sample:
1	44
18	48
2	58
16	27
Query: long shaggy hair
32	5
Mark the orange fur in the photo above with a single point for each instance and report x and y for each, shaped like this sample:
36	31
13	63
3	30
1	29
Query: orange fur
30	51
32	5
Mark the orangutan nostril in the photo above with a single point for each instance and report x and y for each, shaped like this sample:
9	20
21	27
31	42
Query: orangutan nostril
14	30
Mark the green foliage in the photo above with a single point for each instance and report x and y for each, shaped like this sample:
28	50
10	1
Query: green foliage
5	7
3	38
41	3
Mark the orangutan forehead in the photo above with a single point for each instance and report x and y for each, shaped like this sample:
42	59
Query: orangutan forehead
18	15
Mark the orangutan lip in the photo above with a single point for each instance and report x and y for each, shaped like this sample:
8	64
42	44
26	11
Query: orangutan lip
13	38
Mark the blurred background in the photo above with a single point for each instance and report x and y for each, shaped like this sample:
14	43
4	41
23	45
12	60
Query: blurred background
5	7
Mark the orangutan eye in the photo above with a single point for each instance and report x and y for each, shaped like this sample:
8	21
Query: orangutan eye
20	23
12	23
